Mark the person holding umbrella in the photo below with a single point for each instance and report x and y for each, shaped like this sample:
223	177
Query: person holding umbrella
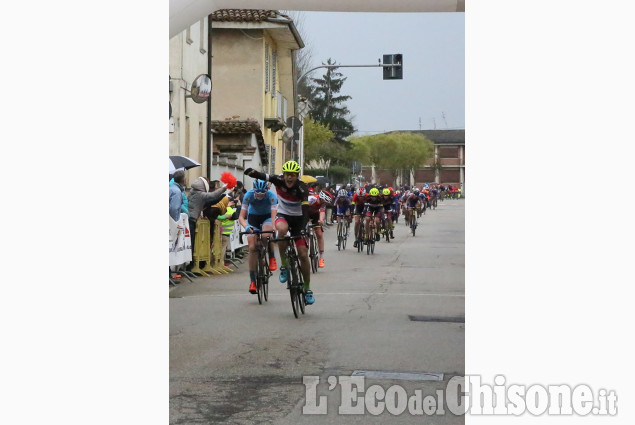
176	194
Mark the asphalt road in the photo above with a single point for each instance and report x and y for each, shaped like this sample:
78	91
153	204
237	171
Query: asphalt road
235	361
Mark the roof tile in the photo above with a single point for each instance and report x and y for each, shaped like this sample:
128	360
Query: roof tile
245	15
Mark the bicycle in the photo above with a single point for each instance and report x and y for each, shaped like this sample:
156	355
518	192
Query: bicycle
359	237
314	255
370	244
295	283
342	232
262	271
384	230
413	224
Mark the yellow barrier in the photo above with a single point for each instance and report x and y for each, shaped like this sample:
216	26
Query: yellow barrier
202	248
217	250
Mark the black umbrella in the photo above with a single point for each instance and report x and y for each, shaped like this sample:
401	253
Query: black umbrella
178	161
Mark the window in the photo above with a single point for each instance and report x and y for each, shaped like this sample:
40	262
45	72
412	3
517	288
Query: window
274	60
272	167
188	35
202	43
447	152
200	140
266	67
187	136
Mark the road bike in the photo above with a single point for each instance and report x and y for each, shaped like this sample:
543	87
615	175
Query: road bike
413	224
295	282
384	230
370	237
314	254
343	226
359	237
262	271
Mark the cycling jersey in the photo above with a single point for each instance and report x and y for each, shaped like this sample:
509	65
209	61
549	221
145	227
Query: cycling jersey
291	201
259	206
316	205
412	200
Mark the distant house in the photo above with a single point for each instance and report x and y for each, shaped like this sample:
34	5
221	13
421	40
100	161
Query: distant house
446	167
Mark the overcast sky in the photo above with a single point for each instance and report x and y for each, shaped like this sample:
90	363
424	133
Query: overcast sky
433	48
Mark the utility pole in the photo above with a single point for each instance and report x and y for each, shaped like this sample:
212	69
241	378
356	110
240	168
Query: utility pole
397	66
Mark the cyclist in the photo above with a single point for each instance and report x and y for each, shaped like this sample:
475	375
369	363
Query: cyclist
412	201
388	199
258	212
317	215
434	195
373	207
396	207
293	215
341	204
358	199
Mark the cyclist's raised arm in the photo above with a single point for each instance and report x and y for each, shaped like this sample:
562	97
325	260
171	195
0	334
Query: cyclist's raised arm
256	174
276	180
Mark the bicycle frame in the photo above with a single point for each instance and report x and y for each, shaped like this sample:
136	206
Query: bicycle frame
295	284
262	267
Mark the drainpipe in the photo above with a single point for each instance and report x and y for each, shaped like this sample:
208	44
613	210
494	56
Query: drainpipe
209	101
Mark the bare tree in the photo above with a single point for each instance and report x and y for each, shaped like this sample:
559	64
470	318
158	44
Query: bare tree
303	57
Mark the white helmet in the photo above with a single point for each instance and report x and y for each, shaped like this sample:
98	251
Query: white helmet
342	193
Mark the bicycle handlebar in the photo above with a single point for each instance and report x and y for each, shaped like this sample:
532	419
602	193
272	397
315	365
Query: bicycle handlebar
255	232
288	238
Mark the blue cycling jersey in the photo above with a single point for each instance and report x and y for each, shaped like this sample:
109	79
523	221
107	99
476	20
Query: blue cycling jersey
259	206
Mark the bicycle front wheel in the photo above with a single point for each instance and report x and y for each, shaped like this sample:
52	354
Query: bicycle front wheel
293	292
295	288
313	257
263	275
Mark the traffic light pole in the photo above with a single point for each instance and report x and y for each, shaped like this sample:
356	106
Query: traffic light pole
348	66
295	88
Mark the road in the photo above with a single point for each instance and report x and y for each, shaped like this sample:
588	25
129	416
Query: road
235	361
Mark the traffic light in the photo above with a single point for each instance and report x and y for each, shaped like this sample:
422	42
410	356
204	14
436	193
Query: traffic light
393	72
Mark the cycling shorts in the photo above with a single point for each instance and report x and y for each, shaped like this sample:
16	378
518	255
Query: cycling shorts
256	221
295	226
376	211
342	209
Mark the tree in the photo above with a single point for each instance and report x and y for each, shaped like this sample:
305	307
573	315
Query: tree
302	57
327	105
401	151
318	141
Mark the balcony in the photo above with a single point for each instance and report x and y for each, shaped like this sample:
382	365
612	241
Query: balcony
278	122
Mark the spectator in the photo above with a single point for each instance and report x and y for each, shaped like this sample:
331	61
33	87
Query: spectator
176	194
227	223
184	208
199	197
239	191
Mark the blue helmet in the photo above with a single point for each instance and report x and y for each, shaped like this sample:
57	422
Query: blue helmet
260	185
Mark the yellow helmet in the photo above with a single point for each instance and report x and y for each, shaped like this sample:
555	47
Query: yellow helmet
386	191
374	192
291	167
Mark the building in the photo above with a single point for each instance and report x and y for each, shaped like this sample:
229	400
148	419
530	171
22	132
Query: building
249	56
446	167
252	87
189	57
